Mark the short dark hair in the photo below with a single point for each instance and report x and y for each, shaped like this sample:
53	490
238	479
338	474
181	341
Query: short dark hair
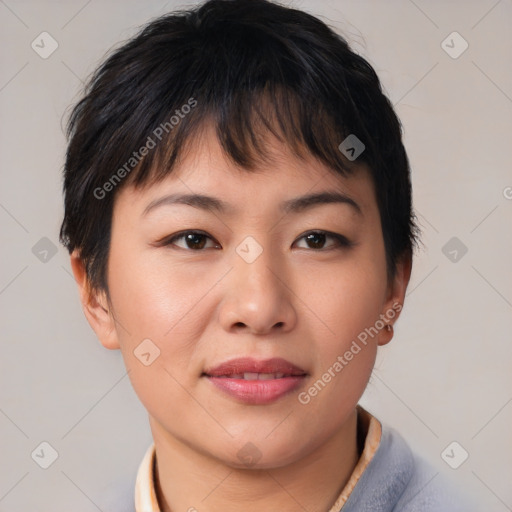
246	66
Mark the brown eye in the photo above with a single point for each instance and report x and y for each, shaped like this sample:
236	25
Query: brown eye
317	239
193	240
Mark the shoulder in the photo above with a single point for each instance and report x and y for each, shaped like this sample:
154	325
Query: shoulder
397	480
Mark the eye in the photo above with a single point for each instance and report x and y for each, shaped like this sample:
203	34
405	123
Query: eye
194	240
197	240
316	239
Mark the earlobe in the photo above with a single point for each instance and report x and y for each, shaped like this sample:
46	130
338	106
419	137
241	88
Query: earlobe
95	306
395	299
386	334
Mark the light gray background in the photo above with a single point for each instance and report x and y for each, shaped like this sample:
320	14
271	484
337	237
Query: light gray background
445	376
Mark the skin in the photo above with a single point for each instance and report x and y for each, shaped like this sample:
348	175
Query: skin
303	302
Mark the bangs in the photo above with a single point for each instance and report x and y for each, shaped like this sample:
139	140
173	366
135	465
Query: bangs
243	126
246	80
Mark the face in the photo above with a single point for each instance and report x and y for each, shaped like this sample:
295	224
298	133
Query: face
250	290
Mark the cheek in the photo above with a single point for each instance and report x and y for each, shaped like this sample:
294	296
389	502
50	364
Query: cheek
348	305
160	302
349	298
154	297
344	357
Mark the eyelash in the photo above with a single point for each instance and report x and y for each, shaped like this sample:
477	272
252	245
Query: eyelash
342	241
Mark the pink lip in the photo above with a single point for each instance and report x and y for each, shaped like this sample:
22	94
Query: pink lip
256	392
248	364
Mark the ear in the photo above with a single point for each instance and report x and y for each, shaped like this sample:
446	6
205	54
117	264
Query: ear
95	306
395	297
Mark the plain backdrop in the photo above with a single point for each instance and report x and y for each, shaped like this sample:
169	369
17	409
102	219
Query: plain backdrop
446	375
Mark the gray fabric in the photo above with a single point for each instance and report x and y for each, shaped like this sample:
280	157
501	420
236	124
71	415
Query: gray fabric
396	480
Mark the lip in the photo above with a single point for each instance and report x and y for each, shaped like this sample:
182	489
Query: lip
251	365
256	392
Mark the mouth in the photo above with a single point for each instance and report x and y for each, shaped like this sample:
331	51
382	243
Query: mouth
255	382
254	376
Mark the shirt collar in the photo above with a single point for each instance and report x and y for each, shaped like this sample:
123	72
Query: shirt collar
145	492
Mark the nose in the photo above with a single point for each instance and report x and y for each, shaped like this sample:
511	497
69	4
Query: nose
258	297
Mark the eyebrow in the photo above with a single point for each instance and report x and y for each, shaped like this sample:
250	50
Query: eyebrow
213	204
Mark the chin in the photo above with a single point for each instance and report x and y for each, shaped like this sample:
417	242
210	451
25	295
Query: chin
262	454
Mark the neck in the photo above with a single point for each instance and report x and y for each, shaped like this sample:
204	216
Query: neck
187	480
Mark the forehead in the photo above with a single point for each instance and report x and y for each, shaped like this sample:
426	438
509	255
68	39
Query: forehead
206	177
